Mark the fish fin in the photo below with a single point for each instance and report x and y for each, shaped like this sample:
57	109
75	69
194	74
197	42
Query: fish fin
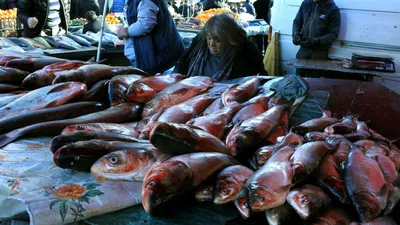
52	104
61	87
194	127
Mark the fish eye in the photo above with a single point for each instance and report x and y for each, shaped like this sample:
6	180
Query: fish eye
224	191
260	198
113	160
149	105
150	184
79	127
233	139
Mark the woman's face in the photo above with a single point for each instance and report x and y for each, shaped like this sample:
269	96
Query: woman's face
215	46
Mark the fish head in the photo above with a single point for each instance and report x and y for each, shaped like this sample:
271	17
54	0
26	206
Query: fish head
205	193
260	198
163	184
367	205
154	105
120	165
243	207
227	189
241	139
303	203
263	154
140	92
77	127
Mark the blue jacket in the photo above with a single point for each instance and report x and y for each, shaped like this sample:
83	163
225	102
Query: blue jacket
160	49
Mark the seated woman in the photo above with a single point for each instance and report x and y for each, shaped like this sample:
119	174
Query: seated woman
221	51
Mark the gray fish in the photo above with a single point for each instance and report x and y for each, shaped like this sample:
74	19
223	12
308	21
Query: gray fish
70	41
34	43
26	45
88	38
5	43
43	42
79	40
59	43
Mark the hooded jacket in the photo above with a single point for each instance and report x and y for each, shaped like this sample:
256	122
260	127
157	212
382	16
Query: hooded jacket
318	20
39	9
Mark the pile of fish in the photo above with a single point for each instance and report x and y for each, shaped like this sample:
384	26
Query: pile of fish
69	41
196	138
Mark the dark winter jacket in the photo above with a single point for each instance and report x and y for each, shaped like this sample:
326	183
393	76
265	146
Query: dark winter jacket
247	61
249	8
318	20
39	9
161	48
80	7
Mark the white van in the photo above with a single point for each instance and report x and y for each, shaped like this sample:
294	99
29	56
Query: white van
367	27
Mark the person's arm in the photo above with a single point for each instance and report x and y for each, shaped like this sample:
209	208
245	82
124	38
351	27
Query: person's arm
298	20
146	19
96	7
333	29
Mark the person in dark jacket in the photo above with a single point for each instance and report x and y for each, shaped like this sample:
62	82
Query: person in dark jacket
185	9
156	41
262	9
79	8
44	17
93	23
315	27
221	51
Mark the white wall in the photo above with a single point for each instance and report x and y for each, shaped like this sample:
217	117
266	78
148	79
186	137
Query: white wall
367	27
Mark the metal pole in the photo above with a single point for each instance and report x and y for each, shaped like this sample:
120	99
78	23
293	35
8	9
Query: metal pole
103	20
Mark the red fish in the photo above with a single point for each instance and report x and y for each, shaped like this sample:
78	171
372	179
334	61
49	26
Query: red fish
177	93
307	158
268	186
318	124
308	200
45	76
332	216
231	183
241	93
281	215
252	132
262	155
329	175
315	136
216	123
346	126
122	70
205	192
145	89
213	107
179	175
45	97
362	132
11	75
252	108
242	206
31	63
87	74
365	185
119	86
173	138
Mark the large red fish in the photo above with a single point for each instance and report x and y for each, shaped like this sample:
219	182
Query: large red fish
318	124
216	123
179	175
268	186
173	138
118	87
82	155
308	200
145	89
332	216
177	93
45	76
213	107
365	184
241	93
125	165
32	63
307	158
11	75
252	108
346	126
45	97
120	113
231	183
87	74
362	132
251	133
329	176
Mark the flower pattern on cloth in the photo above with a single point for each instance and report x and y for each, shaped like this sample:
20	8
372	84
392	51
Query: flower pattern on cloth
71	197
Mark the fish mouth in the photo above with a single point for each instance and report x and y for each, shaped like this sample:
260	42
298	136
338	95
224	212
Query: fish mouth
257	202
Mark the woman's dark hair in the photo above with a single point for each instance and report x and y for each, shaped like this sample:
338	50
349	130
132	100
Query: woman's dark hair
90	15
225	28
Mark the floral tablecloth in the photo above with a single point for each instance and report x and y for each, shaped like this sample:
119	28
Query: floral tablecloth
33	187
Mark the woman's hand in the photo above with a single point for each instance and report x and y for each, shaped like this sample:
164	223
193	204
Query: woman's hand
122	33
32	22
